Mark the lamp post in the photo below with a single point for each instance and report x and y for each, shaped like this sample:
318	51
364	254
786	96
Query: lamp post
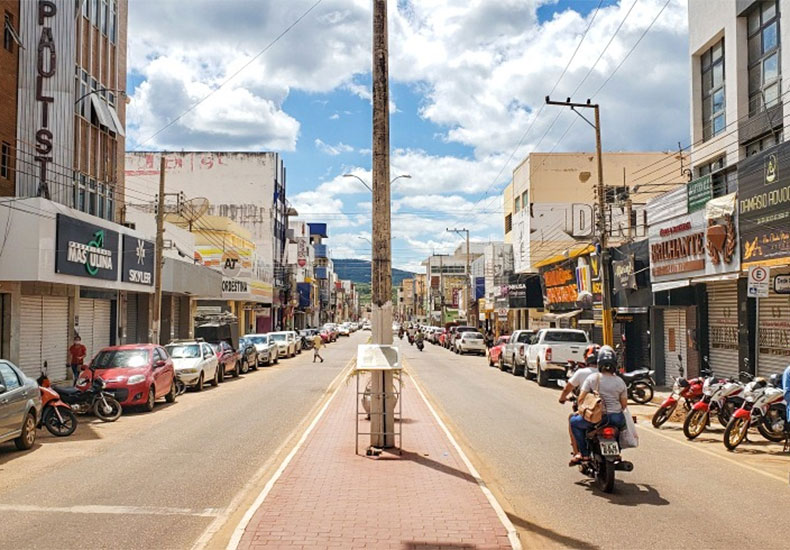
363	182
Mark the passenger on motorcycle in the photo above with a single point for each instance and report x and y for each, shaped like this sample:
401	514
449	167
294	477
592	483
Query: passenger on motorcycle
614	394
577	378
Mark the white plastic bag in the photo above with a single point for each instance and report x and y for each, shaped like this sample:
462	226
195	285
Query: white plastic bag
629	439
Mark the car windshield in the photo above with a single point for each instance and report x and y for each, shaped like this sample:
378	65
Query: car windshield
278	337
259	339
126	358
191	351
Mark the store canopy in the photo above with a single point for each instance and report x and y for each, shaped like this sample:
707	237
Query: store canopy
569	254
680	283
558	316
715	278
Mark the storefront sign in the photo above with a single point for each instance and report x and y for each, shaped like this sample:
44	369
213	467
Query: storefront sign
764	206
624	277
138	261
782	284
559	286
46	64
700	191
757	283
86	250
301	251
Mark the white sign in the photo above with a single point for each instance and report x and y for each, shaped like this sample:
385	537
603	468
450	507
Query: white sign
502	313
758	282
782	284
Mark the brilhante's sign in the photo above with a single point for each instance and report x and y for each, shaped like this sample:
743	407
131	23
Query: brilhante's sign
138	261
764	206
86	250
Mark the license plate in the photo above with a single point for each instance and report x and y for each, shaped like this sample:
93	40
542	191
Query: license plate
609	448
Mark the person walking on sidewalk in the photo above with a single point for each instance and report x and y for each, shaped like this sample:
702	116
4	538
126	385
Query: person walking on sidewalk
77	353
317	343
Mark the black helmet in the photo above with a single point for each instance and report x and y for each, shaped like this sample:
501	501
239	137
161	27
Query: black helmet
591	354
607	359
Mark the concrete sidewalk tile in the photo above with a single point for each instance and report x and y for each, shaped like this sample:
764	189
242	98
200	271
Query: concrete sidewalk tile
328	497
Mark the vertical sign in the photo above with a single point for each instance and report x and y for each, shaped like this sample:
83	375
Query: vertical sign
700	191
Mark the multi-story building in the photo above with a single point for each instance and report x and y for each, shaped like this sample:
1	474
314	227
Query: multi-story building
301	264
9	69
446	278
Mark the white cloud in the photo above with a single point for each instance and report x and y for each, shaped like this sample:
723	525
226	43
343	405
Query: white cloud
333	150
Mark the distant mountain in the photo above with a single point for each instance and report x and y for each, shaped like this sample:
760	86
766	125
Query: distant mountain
358	271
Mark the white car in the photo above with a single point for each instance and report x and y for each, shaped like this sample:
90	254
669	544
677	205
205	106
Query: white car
195	363
268	353
366	325
286	345
551	349
470	342
293	335
344	330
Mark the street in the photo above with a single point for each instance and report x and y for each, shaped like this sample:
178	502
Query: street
680	494
169	479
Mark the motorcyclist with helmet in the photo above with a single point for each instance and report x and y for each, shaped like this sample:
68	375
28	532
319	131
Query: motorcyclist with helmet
614	394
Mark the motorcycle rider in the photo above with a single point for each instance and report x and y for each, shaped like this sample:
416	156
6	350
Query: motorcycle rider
786	388
613	393
575	382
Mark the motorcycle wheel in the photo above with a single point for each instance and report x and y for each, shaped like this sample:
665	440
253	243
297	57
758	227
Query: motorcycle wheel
604	477
695	423
735	432
114	412
58	427
642	392
725	413
662	415
773	418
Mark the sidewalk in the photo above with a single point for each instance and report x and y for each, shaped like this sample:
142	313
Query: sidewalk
328	497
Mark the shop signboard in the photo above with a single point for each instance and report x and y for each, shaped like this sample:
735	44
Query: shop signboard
700	191
764	206
624	276
301	251
559	285
86	250
782	284
138	261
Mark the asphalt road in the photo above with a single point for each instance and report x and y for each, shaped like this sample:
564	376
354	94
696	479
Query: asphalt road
680	494
175	478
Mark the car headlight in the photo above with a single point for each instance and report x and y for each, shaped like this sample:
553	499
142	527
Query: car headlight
136	379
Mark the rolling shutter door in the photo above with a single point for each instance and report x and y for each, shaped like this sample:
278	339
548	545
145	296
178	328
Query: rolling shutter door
85	329
101	324
723	327
774	334
131	319
674	340
55	325
176	317
30	336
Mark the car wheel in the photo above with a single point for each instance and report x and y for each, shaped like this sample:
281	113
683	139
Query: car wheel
516	371
171	395
236	369
502	366
28	436
200	383
151	401
245	367
543	377
255	364
490	360
221	369
215	380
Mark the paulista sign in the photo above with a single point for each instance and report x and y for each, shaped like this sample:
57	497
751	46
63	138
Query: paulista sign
138	261
85	250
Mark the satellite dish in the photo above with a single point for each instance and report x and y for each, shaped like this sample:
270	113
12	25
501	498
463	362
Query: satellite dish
194	209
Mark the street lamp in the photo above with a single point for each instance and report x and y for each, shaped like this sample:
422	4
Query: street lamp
371	242
101	91
363	182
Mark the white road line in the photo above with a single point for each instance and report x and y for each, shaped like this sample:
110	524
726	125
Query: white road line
512	534
111	510
245	520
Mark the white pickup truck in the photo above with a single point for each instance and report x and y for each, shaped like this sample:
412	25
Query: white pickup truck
514	356
552	348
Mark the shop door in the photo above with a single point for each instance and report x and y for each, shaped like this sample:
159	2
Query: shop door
44	315
132	335
723	328
95	327
773	333
675	341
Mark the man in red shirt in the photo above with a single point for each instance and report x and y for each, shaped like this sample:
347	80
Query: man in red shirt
77	353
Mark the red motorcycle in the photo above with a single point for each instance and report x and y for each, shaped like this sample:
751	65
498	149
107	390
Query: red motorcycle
690	391
56	416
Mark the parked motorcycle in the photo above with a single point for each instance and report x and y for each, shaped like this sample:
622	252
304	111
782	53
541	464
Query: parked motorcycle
640	385
56	416
763	407
689	390
92	400
720	396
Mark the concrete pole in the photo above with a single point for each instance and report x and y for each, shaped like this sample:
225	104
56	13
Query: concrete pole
160	244
606	286
382	405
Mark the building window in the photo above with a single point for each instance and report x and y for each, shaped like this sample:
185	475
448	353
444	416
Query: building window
763	143
5	161
517	206
524	201
113	20
508	223
764	63
91	198
713	117
95	12
105	12
724	180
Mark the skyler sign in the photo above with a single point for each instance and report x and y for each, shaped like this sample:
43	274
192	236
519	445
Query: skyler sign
86	250
138	261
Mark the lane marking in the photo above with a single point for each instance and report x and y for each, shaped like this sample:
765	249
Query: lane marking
512	534
235	539
111	510
717	455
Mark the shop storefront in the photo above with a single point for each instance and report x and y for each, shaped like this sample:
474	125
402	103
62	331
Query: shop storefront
631	300
524	295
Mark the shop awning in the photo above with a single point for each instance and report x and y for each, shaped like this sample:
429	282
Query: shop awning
661	287
570	254
716	278
179	277
558	316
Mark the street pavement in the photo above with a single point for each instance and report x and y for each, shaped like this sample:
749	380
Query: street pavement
680	495
179	477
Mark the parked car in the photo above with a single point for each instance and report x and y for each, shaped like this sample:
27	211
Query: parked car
195	363
293	335
496	350
366	325
229	359
470	342
457	332
286	346
551	350
135	374
249	355
326	337
331	329
514	357
344	330
20	406
266	347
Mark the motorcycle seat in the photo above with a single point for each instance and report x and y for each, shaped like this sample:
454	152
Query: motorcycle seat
635	374
66	390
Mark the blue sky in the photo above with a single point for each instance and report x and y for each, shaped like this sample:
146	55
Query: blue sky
467	81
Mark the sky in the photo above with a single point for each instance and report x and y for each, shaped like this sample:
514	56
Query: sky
468	80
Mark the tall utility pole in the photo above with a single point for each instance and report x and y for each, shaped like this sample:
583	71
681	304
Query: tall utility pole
160	244
467	288
606	286
382	418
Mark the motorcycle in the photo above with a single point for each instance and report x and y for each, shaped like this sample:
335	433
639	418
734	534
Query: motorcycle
640	385
689	390
56	416
605	459
763	407
94	399
411	340
420	345
722	397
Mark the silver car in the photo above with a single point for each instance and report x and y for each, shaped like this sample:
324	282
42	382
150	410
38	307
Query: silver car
195	363
267	348
286	344
470	342
20	406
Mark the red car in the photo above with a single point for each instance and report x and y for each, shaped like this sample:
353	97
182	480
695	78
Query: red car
325	336
496	350
229	359
136	374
